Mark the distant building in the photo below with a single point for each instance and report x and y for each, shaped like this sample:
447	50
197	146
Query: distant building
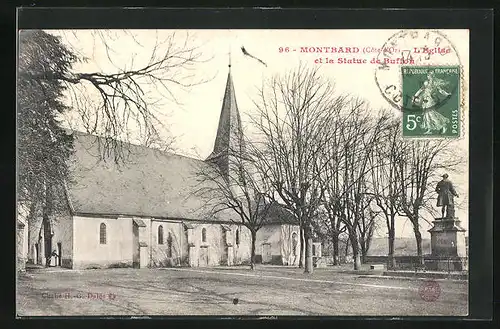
146	213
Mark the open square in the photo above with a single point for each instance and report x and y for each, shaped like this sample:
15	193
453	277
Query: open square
233	291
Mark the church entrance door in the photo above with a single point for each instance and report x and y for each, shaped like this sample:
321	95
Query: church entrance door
203	258
266	253
59	253
37	254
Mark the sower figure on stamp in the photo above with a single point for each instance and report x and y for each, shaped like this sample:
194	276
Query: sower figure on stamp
430	95
446	192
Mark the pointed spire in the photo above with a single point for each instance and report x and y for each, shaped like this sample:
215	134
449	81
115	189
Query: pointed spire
229	134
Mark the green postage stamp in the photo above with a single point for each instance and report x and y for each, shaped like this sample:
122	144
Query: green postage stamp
431	101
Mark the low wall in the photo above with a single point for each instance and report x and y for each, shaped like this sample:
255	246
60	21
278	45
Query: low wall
406	262
410	262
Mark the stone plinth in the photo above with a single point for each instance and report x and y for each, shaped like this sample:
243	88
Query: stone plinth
448	251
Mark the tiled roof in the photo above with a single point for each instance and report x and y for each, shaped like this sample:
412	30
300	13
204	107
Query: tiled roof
152	183
278	214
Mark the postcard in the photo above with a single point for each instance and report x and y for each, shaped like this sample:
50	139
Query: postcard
243	172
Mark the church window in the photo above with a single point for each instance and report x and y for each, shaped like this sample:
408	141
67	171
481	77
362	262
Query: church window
238	237
294	243
160	234
204	235
102	233
169	245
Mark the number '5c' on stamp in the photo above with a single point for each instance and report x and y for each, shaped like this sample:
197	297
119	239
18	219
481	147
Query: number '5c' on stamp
431	101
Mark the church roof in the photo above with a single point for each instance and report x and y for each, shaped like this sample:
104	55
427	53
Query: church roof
278	214
151	183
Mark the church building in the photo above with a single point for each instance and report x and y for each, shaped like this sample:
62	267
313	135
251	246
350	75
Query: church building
146	212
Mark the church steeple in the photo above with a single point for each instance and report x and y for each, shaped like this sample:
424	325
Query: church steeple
229	139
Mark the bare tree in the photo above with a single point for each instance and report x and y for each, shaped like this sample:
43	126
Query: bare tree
367	225
293	119
332	155
386	193
358	137
423	160
330	227
238	188
131	95
153	139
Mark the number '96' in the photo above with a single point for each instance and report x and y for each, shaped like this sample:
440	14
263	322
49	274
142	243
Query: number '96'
283	49
412	120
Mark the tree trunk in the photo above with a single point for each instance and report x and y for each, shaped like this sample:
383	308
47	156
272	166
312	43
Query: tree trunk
47	237
363	254
252	255
346	250
390	257
335	241
355	251
308	252
418	239
302	245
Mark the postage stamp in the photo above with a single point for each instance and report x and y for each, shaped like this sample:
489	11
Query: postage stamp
431	101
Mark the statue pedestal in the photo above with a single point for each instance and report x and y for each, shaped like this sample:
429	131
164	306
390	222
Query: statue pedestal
448	250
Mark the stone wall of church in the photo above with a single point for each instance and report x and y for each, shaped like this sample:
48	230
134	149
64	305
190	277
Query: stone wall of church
243	250
173	250
274	244
267	246
208	251
184	245
63	235
88	250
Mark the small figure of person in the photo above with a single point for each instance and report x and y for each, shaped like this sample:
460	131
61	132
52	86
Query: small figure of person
446	192
54	256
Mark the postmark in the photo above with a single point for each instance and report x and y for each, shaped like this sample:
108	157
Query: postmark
429	290
431	101
414	48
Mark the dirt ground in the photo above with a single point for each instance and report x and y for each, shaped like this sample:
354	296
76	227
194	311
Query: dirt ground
235	291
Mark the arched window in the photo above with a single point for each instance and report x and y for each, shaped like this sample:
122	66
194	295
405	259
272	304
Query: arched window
238	237
160	234
169	245
294	243
102	233
204	235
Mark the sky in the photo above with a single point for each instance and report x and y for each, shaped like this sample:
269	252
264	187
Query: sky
194	118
